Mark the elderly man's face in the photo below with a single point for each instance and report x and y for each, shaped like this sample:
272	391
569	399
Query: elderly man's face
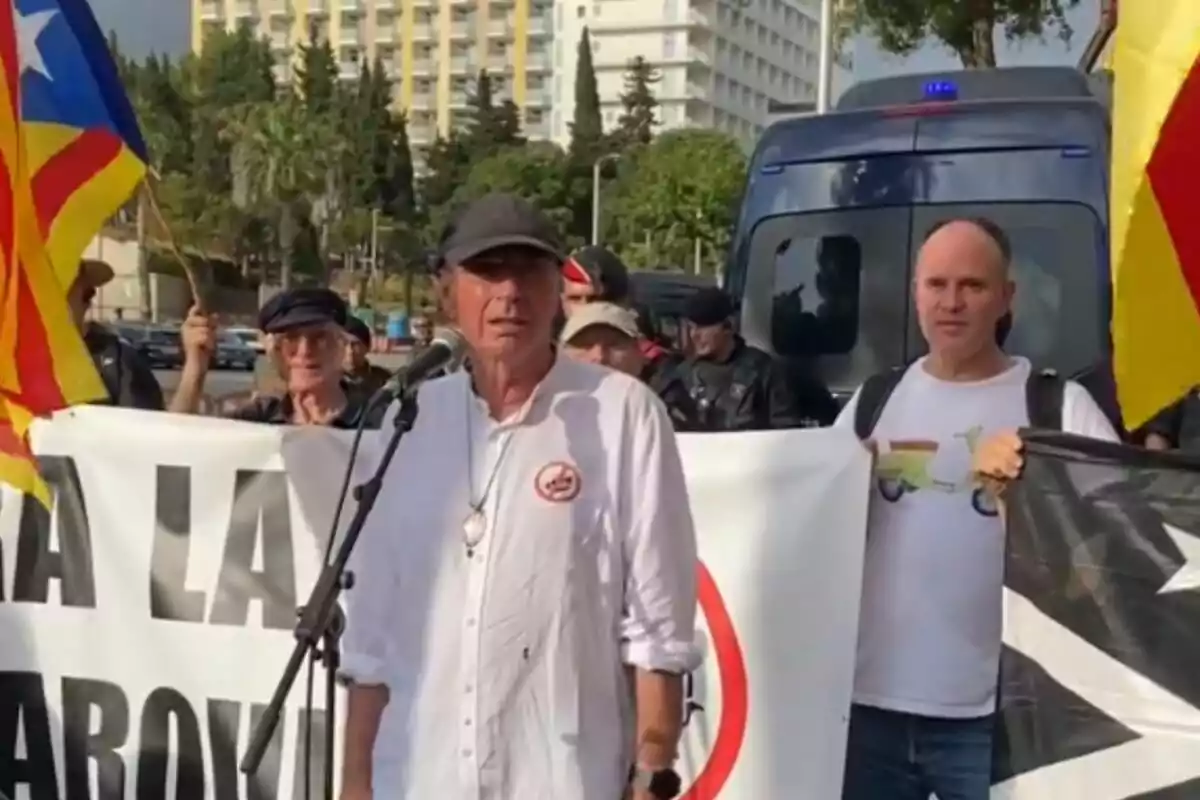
602	344
504	302
961	290
311	356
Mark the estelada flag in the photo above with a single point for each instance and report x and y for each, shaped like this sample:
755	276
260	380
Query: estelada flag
70	155
1155	202
1100	676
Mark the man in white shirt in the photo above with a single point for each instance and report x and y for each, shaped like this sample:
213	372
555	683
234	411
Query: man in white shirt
930	625
524	595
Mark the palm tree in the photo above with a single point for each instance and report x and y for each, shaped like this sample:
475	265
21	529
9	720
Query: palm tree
283	164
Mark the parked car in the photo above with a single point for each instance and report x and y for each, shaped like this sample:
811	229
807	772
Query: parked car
156	345
251	337
234	353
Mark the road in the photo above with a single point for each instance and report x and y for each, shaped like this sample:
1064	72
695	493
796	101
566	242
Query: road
223	382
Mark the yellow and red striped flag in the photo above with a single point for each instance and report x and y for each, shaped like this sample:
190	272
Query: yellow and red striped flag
44	364
1156	205
18	467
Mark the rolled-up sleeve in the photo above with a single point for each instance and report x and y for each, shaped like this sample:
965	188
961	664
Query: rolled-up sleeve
659	624
369	604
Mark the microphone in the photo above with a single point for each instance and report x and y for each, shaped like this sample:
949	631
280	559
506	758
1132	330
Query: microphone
447	349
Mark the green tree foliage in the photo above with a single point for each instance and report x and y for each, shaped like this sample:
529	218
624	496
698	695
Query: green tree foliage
663	202
164	113
639	106
491	126
234	69
283	160
967	28
587	128
537	172
447	165
317	74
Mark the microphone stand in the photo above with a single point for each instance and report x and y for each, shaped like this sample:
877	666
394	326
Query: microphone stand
321	620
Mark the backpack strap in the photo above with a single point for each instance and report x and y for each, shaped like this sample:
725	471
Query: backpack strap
1044	399
872	398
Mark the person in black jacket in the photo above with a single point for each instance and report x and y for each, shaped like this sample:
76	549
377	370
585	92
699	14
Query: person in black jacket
359	372
737	387
126	375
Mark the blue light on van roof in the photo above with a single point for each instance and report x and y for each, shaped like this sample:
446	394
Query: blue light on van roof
941	90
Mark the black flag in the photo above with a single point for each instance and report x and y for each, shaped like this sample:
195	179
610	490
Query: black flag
1100	677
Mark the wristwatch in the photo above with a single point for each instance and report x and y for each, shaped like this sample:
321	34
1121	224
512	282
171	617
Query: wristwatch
662	784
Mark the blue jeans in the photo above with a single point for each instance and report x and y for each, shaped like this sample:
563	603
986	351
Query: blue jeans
896	756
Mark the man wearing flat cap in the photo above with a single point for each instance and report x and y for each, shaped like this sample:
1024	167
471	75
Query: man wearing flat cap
737	387
524	596
365	377
307	332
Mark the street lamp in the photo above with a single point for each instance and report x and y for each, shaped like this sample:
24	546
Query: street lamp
825	63
600	162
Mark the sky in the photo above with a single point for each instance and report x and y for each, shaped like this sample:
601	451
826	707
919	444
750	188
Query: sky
145	26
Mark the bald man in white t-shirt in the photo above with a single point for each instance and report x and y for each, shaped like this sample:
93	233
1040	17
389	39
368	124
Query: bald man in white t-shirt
930	622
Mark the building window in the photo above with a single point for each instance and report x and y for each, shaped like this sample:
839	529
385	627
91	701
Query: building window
581	12
668	45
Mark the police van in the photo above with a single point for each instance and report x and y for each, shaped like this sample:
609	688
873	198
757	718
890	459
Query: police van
836	205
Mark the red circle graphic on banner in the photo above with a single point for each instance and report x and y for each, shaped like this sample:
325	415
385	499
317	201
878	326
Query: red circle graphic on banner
731	665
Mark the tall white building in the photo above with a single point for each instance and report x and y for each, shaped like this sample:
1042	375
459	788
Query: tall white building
720	61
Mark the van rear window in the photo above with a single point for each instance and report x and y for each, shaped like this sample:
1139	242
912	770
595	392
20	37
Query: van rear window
841	284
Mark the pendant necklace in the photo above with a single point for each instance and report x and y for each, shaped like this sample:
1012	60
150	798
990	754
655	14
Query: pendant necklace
474	525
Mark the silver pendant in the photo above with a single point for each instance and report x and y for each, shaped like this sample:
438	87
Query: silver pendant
474	527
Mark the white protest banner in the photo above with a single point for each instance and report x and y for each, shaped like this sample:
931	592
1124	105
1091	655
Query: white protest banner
145	621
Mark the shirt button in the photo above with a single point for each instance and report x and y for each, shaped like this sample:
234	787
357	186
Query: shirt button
466	752
468	689
467	722
471	622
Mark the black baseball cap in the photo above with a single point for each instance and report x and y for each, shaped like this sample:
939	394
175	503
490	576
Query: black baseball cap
709	306
298	308
601	269
358	329
494	221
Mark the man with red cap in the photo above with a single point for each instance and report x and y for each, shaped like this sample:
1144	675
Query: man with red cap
595	274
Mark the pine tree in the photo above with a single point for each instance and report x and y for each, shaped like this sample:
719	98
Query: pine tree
391	173
447	165
398	192
587	129
491	126
637	122
160	92
317	73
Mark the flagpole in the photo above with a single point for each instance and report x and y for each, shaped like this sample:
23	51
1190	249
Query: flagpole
145	306
188	272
